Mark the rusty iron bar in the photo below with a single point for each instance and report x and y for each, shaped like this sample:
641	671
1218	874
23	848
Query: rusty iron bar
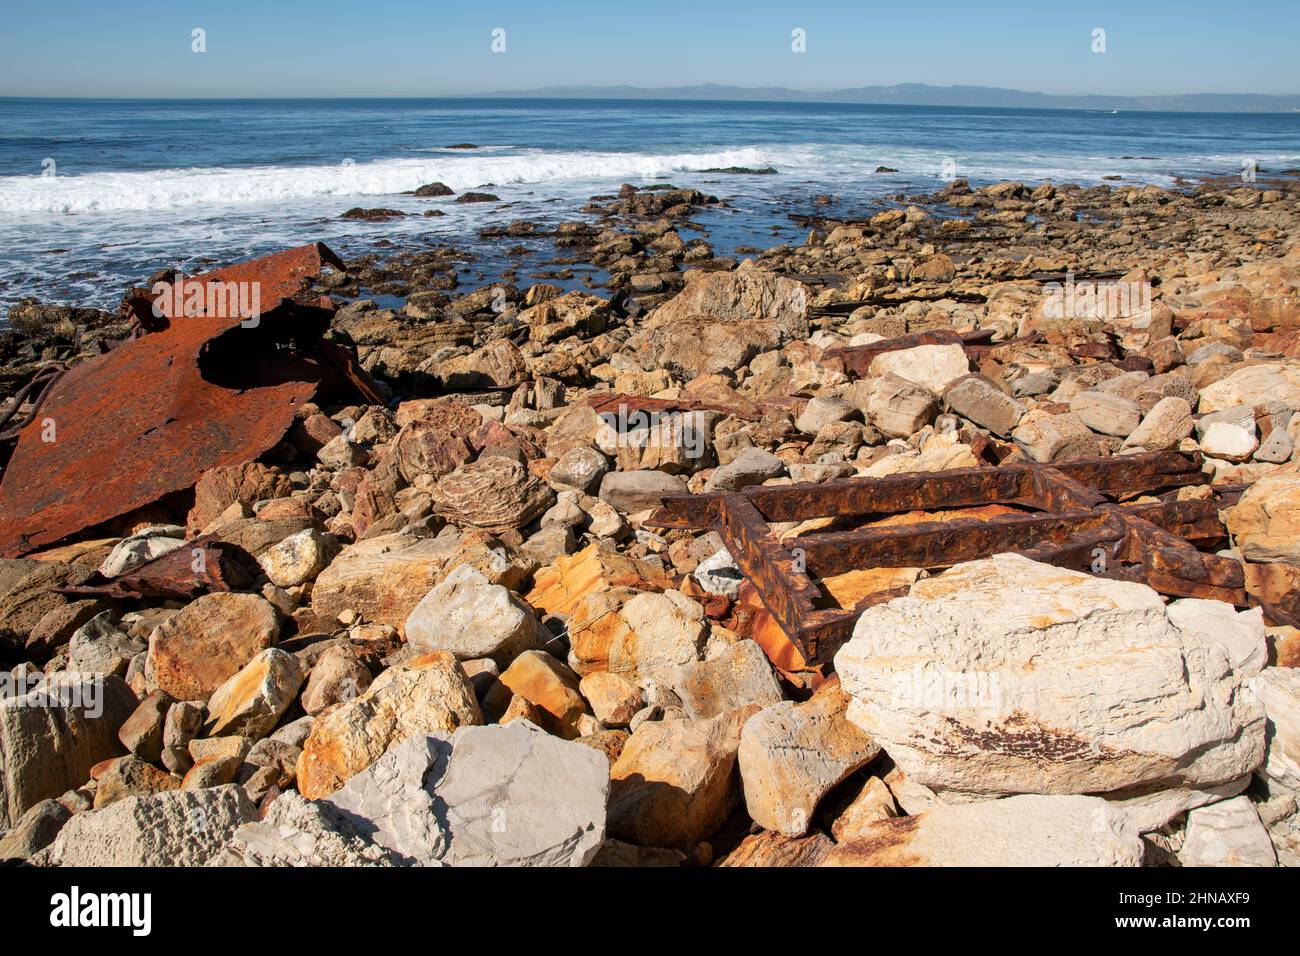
1066	517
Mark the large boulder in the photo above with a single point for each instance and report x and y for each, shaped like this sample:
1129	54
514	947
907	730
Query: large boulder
473	618
747	293
428	694
208	641
300	832
1228	833
1007	676
1253	385
642	636
933	367
791	755
251	702
1278	688
675	781
494	493
381	579
483	796
734	677
1028	830
1265	523
53	733
172	828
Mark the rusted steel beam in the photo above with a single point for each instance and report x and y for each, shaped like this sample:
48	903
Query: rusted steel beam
781	582
1120	474
124	429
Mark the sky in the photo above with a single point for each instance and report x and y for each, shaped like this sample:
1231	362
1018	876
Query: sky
144	48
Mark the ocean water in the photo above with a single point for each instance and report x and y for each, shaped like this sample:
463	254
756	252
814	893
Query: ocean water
95	195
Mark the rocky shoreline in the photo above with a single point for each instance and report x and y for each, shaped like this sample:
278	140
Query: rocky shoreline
460	638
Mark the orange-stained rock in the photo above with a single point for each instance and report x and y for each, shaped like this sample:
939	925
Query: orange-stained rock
549	685
560	587
428	694
208	641
772	849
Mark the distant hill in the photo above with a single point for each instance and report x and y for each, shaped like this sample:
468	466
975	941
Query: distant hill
921	94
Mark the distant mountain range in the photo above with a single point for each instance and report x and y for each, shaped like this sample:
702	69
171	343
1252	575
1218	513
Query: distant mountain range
921	94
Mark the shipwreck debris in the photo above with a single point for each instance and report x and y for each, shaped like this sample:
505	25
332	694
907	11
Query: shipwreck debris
1070	514
186	393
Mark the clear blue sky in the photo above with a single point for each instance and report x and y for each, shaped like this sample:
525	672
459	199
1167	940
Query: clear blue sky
430	47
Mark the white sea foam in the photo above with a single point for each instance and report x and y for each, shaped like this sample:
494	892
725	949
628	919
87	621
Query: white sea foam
225	186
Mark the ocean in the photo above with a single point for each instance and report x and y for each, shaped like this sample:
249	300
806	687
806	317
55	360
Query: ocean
96	195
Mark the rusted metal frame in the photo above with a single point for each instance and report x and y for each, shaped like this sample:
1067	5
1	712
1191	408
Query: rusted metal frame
1135	473
1176	568
196	567
784	587
933	544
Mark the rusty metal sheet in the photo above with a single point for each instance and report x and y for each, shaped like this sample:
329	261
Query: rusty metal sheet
197	567
124	429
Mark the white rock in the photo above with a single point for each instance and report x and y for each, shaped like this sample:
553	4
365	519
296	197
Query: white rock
933	367
508	795
1229	442
472	618
1009	676
1226	834
1028	830
1278	688
718	574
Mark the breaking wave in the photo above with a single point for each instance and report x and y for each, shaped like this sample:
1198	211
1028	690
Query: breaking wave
225	186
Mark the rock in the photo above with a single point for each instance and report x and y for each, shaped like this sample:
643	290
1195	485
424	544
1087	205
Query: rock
936	268
899	408
1027	830
225	485
613	700
675	783
1276	448
1008	676
299	558
380	579
1226	834
34	831
174	828
635	491
753	466
718	574
559	588
129	553
493	493
251	702
618	853
549	685
298	832
434	189
642	637
791	755
338	675
1278	689
51	736
194	652
933	367
823	411
579	469
747	293
28	601
1229	442
979	400
429	693
738	676
873	802
483	796
100	647
472	618
1106	413
130	776
1167	423
772	849
1046	438
1265	523
142	732
1253	385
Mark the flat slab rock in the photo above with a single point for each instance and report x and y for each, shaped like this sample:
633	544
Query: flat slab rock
1029	830
1008	676
508	795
